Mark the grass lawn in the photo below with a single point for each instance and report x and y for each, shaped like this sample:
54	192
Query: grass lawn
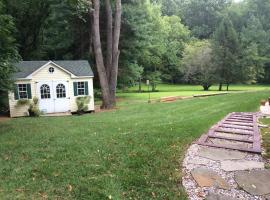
134	152
182	90
266	137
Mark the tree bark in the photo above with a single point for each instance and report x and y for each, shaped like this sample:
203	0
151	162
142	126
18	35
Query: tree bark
99	57
140	85
228	86
115	50
109	16
206	87
220	87
108	72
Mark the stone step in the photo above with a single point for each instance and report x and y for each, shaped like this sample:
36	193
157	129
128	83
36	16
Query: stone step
237	127
232	138
236	131
238	165
238	123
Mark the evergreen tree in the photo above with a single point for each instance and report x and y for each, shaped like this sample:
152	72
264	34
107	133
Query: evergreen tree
226	53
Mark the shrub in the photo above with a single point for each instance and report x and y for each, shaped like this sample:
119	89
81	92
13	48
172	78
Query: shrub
22	102
97	94
263	102
82	104
33	108
4	106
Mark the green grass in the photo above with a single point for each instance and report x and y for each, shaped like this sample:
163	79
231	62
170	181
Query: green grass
182	90
266	137
131	153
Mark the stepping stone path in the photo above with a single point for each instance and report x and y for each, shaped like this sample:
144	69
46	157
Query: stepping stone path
214	196
207	178
254	182
220	154
231	167
238	131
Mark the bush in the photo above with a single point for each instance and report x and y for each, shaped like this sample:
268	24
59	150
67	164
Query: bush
4	106
22	102
97	94
82	104
33	108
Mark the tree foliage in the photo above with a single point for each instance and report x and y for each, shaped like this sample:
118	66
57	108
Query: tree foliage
226	47
154	36
202	17
198	64
8	50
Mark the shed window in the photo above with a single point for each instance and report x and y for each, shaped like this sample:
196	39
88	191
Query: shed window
51	70
22	90
60	91
81	88
45	91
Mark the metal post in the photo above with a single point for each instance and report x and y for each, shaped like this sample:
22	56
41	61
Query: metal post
148	83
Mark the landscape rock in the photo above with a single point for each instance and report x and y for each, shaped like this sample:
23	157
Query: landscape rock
208	178
197	161
256	182
220	154
215	196
230	143
236	165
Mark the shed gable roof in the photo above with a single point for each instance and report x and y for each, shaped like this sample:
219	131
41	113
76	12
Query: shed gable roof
76	67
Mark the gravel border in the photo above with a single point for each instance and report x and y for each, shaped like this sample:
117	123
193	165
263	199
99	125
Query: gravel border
192	161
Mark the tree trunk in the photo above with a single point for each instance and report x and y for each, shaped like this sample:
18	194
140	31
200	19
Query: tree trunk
108	8
206	87
153	87
115	50
140	85
220	87
228	86
107	73
99	57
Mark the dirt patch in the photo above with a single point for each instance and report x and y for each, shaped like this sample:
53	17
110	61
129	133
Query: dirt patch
4	118
99	110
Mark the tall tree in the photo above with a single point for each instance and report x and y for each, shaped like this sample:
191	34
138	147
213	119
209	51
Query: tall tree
8	53
202	16
29	18
226	48
107	73
198	64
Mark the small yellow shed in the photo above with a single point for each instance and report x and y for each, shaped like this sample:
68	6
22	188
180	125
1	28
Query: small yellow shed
56	84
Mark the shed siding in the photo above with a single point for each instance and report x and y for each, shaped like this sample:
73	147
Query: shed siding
44	75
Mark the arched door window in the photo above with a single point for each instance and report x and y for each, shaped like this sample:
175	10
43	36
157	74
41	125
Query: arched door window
45	91
60	91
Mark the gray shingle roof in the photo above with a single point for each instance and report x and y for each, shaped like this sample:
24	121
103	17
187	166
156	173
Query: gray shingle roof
76	67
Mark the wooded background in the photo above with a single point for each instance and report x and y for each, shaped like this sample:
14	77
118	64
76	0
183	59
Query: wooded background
174	41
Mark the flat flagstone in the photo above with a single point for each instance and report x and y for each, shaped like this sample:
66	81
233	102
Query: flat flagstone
208	178
233	136
256	182
267	197
229	143
220	154
198	162
214	196
237	165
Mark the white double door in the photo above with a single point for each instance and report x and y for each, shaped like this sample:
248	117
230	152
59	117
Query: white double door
53	96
